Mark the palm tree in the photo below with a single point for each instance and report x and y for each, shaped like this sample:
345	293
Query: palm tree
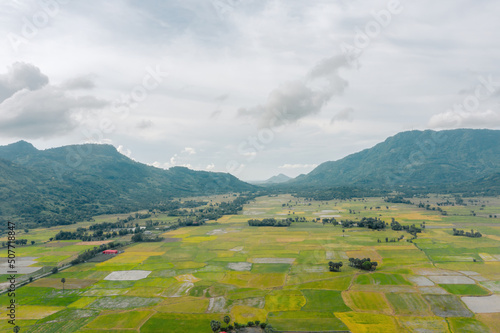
63	280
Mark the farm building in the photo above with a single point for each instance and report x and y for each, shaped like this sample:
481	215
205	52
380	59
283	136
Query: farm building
110	252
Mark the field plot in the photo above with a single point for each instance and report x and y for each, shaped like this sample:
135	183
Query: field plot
324	301
408	304
127	319
467	325
305	321
447	306
464	289
423	324
486	304
368	322
127	275
367	301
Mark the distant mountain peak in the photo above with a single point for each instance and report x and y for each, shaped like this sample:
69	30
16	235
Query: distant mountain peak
280	178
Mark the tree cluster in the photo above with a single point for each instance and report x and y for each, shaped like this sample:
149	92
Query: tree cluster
365	264
398	199
335	266
471	234
271	222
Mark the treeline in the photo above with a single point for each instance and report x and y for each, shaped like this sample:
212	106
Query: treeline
91	253
471	234
429	207
143	237
411	229
272	222
366	222
18	242
398	199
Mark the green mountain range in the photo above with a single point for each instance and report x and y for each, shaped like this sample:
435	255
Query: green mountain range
61	185
428	159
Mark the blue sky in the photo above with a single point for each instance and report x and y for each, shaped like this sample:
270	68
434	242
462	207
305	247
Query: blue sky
250	87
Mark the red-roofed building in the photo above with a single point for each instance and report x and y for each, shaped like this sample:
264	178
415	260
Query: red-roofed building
110	252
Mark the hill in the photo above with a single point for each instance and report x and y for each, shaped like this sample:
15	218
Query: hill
61	185
281	178
414	159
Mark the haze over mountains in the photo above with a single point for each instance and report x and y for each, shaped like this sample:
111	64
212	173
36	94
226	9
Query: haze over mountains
70	183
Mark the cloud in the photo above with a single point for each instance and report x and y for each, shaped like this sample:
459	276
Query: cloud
343	115
145	123
211	166
189	151
458	119
42	113
124	151
31	108
298	166
82	82
300	98
20	76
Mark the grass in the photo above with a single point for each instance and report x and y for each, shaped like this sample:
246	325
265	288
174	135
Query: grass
305	321
285	300
184	305
447	306
367	301
178	323
464	289
368	322
128	319
324	301
471	325
382	279
408	304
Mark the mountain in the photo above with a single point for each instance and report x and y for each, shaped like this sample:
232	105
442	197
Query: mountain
74	182
414	159
281	178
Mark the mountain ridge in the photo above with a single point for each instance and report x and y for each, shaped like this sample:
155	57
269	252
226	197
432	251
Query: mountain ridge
413	158
77	181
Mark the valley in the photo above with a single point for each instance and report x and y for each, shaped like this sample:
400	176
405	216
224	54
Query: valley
438	282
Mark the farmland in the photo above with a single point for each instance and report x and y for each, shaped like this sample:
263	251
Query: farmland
277	275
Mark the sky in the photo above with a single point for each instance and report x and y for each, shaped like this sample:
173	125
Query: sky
251	87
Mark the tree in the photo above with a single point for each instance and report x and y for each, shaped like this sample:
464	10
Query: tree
269	329
215	325
54	270
63	280
227	319
32	242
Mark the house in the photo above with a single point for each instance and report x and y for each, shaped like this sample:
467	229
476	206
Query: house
110	252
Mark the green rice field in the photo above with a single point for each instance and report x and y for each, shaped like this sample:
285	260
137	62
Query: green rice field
277	275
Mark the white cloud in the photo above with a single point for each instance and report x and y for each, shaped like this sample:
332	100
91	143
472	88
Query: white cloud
298	166
459	119
124	151
21	76
209	167
189	151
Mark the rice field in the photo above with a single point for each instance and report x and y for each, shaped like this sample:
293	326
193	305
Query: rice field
437	283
